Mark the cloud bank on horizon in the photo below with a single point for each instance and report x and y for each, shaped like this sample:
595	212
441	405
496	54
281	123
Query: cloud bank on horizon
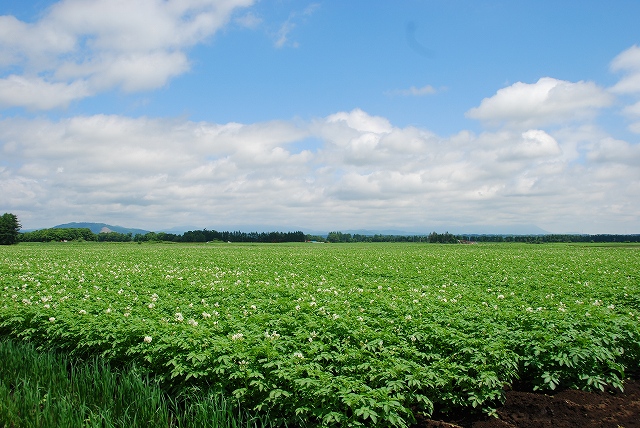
89	129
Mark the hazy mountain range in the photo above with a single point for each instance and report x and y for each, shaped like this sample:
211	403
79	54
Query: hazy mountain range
458	230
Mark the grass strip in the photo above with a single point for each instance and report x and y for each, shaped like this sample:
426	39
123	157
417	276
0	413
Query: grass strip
48	389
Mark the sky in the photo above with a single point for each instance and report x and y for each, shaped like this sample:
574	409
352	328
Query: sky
418	115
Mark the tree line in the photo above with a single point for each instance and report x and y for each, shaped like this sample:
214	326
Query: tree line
449	238
85	234
553	238
213	235
340	237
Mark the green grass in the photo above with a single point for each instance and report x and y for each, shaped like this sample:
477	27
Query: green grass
47	389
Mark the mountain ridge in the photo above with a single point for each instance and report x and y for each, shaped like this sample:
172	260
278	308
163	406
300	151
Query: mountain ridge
100	228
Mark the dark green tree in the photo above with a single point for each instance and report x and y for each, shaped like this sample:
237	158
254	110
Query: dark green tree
9	229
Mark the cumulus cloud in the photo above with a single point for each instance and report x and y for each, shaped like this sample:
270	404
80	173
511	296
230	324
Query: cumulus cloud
629	63
37	94
534	144
366	172
615	152
549	101
633	113
358	120
633	110
81	47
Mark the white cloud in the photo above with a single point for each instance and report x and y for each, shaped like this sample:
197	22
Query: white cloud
282	36
81	47
19	192
635	127
249	20
157	173
33	44
548	101
37	94
629	62
414	91
615	152
137	72
141	26
534	144
361	121
633	110
310	10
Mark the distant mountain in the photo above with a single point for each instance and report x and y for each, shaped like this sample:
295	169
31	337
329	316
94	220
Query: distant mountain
513	229
101	228
519	229
179	230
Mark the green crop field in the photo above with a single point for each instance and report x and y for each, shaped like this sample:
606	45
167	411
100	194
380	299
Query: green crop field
336	334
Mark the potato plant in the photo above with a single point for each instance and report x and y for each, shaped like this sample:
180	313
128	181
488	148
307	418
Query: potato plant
344	335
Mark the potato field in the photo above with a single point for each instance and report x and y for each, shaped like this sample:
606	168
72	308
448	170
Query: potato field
336	334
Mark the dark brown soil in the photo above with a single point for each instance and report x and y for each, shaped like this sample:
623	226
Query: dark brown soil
565	409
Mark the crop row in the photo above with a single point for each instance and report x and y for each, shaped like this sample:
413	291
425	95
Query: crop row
336	335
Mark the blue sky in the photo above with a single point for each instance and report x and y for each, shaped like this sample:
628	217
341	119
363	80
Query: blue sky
413	115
